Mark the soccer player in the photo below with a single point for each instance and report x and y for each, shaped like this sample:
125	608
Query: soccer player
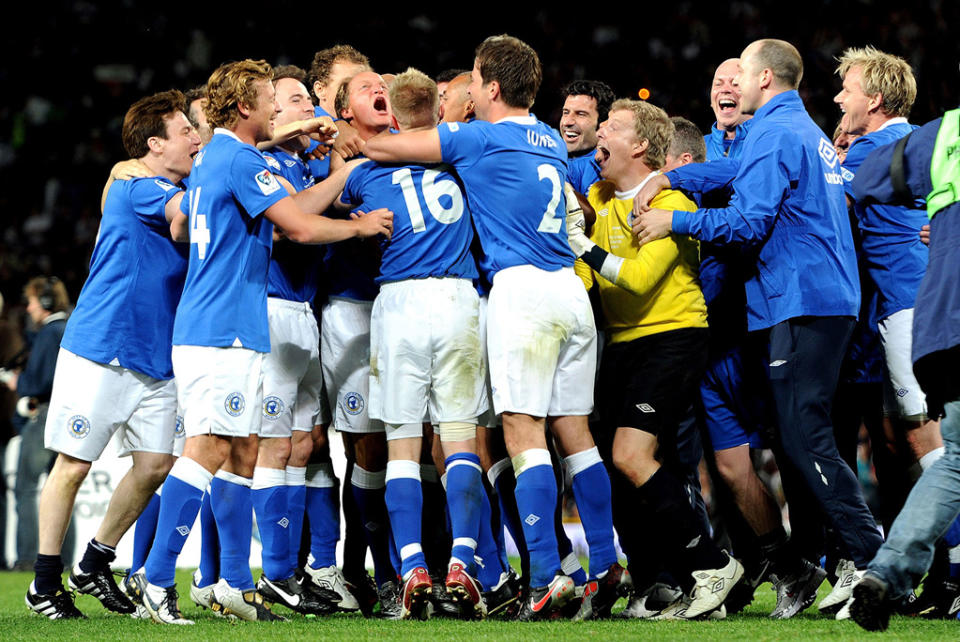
877	94
350	269
427	357
217	350
656	351
541	338
456	106
329	69
585	106
292	383
914	167
196	98
726	135
804	295
114	368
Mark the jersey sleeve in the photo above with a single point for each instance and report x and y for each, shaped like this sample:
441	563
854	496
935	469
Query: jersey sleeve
149	197
704	177
352	189
760	188
858	151
461	144
873	178
252	183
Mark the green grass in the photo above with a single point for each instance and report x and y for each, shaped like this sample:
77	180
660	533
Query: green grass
17	623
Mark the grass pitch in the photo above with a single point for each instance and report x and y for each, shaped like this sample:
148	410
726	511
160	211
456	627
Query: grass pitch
18	623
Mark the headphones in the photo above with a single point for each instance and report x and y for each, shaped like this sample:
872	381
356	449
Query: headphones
47	297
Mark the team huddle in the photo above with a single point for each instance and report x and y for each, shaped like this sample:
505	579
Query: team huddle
505	311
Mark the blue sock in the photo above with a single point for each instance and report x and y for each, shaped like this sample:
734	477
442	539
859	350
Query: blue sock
490	564
209	568
404	499
268	494
295	477
144	531
464	492
536	500
233	510
323	507
591	488
502	478
368	490
179	505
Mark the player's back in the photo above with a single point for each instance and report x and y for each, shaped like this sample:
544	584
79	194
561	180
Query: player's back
125	309
513	171
432	229
224	301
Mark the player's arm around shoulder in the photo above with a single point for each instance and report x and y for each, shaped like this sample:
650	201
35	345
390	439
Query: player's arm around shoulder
419	146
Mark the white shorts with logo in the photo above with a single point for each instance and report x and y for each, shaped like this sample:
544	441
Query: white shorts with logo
220	389
901	393
541	342
292	377
345	357
426	352
91	401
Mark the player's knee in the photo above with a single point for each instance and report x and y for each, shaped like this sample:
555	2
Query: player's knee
457	431
301	447
70	470
152	468
274	452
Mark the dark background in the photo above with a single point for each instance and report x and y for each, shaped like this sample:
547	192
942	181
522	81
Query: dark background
71	69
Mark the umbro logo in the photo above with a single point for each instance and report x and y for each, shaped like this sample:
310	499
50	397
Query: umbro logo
645	407
823	477
718	586
283	523
532	519
777	363
828	153
183	530
694	542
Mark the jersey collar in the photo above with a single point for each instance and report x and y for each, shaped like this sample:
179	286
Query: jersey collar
630	193
221	130
899	120
520	120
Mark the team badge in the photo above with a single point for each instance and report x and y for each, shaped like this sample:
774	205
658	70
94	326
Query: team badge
272	408
234	404
79	426
354	403
178	429
266	182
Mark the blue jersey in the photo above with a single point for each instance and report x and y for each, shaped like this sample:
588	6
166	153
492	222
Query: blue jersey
788	207
124	315
432	230
513	171
320	169
719	146
294	268
583	171
895	256
224	300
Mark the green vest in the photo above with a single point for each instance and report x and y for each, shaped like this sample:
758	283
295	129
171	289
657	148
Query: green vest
945	165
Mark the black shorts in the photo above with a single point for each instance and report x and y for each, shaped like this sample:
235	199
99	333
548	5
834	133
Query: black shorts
651	383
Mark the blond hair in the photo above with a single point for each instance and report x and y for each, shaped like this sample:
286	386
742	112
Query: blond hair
233	84
651	124
882	73
414	99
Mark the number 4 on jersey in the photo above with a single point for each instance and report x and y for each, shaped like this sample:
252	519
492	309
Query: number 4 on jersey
199	233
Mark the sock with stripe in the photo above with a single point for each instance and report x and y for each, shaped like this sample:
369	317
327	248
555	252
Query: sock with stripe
179	505
536	500
464	504
405	503
591	488
232	506
268	494
323	510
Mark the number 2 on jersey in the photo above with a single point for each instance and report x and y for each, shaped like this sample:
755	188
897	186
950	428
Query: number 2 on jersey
550	224
432	190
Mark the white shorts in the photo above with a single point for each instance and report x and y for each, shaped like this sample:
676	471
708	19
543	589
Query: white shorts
91	401
488	418
902	394
541	342
220	390
426	353
345	357
292	378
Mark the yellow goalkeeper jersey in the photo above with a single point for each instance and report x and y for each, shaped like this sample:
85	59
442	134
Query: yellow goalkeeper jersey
657	286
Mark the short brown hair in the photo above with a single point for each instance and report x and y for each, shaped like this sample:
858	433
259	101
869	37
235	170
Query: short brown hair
882	73
514	65
687	139
231	85
289	71
414	99
325	59
783	59
147	118
50	291
651	124
342	99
